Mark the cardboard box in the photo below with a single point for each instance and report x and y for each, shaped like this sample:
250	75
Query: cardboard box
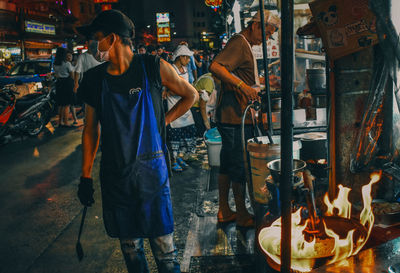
346	26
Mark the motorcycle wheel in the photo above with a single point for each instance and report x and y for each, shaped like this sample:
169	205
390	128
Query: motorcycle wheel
36	124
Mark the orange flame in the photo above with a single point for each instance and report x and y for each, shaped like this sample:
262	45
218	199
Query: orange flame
270	241
305	253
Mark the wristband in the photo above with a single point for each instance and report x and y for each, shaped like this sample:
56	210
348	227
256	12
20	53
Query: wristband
239	84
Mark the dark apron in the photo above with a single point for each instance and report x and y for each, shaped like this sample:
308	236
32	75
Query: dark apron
133	173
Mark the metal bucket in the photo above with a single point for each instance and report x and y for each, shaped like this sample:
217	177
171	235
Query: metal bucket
275	169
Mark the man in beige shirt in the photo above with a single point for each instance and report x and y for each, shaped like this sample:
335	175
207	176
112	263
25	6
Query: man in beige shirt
236	67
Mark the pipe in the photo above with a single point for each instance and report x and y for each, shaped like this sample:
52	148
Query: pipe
287	63
267	96
245	159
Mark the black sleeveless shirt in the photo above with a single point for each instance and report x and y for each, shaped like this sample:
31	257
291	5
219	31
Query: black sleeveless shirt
91	85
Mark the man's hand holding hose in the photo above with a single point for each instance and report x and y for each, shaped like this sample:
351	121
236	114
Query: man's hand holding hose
251	93
225	76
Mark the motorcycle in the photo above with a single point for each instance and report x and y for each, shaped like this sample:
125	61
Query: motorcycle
26	115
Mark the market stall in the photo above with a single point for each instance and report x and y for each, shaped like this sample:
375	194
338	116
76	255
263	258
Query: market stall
324	206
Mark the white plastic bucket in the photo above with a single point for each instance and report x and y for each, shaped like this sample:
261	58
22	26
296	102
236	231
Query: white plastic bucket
260	154
213	149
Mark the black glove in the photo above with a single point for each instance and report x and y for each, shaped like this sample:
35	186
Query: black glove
85	191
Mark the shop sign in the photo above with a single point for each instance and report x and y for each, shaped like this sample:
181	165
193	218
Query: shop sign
213	3
163	27
272	48
345	26
43	52
106	7
15	51
41	28
105	1
162	17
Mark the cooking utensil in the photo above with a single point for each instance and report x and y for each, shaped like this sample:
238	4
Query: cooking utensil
313	145
316	78
79	249
391	218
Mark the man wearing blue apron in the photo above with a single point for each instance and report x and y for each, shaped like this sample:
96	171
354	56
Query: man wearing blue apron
123	95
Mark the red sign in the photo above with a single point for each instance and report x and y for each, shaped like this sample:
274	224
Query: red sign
213	3
105	1
106	7
163	33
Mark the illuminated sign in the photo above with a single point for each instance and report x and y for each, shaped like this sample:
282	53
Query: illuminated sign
105	1
15	50
106	7
162	17
163	28
213	3
41	28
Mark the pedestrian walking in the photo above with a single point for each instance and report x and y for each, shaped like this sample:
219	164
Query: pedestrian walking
63	71
124	105
191	66
161	53
85	61
142	49
236	67
151	49
182	131
74	100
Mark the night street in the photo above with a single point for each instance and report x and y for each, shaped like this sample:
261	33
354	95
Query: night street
199	136
40	213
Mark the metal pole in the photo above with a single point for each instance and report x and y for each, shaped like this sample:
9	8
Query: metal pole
266	75
287	63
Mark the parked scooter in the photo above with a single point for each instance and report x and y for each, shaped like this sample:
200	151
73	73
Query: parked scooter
27	115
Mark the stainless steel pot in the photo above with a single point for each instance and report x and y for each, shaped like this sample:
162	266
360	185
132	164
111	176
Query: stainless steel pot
313	146
316	78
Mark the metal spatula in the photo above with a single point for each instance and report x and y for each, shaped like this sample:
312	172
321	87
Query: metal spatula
79	249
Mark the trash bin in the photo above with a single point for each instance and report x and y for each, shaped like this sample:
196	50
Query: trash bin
213	141
260	154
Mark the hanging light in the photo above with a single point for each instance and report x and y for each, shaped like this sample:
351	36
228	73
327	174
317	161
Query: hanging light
213	3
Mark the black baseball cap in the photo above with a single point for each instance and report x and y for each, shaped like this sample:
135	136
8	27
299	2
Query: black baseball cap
109	21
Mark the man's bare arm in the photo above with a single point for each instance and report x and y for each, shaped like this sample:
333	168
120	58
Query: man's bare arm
225	76
180	87
90	140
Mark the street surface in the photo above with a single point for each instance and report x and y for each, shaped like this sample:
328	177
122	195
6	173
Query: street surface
40	213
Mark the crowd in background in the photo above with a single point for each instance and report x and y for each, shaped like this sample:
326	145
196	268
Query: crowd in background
185	133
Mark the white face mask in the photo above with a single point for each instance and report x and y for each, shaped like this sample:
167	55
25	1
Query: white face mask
103	56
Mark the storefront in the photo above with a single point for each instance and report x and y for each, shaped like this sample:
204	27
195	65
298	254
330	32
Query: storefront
40	38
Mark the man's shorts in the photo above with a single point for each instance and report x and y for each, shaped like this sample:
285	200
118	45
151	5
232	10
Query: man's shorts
231	157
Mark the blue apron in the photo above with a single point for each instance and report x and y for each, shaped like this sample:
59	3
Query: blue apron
133	174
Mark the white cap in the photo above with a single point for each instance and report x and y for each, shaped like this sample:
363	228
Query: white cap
181	50
269	18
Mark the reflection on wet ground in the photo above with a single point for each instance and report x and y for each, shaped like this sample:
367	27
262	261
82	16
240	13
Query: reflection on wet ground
213	247
207	238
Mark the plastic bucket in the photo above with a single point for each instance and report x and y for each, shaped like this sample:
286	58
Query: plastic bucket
213	141
260	154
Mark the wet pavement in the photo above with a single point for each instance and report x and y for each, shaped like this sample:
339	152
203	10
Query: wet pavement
40	213
40	216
